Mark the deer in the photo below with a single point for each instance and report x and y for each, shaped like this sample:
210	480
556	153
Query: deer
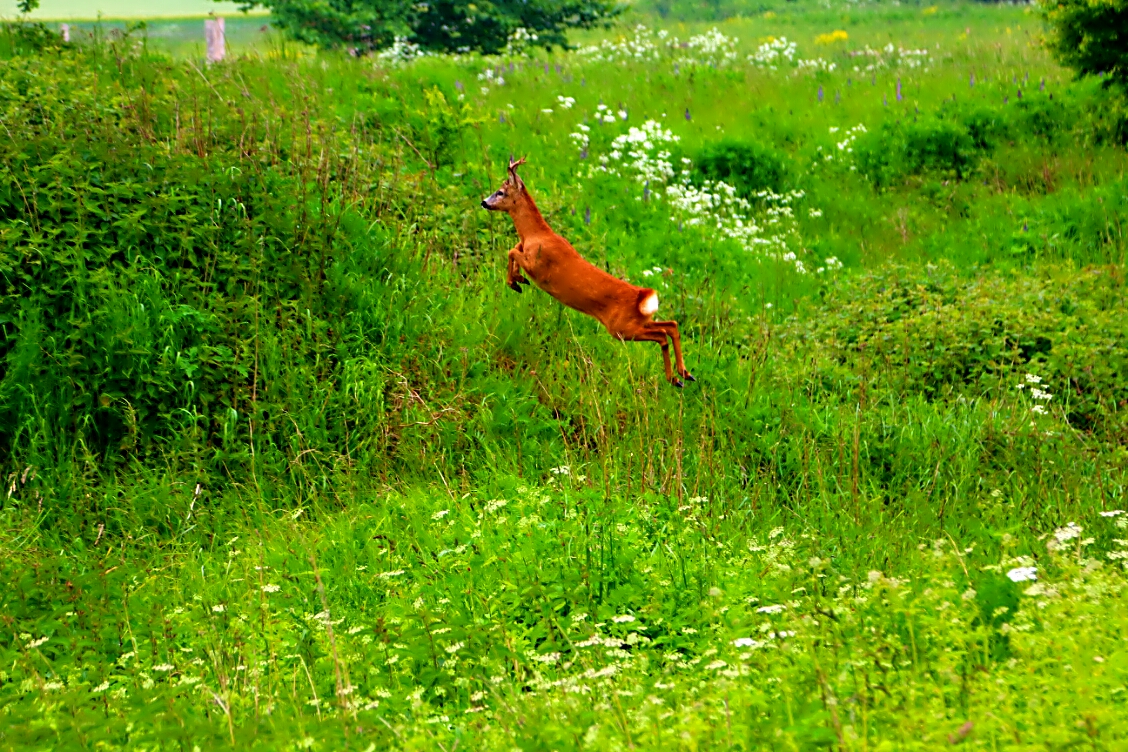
626	311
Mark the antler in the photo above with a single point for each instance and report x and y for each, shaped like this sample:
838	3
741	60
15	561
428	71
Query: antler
513	168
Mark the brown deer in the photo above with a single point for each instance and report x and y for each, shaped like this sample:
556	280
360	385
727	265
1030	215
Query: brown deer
555	266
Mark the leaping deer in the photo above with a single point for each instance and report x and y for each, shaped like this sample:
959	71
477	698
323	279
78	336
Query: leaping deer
558	269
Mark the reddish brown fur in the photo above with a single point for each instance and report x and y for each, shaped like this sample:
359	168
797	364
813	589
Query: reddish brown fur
558	269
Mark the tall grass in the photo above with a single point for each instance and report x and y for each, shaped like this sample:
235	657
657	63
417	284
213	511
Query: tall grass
288	462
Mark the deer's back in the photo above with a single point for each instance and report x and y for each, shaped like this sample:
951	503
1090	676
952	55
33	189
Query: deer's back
558	269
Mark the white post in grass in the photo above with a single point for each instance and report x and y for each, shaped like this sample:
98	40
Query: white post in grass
65	29
213	33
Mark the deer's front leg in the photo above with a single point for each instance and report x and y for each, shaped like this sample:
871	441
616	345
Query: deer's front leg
515	278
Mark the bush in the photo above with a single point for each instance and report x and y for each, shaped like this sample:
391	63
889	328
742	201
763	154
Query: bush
932	144
936	333
25	37
747	166
1089	37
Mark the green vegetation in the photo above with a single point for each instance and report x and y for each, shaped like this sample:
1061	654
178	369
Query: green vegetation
487	26
288	466
1086	37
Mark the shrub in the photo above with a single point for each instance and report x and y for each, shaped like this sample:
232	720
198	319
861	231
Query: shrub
1089	37
444	25
939	145
937	333
746	165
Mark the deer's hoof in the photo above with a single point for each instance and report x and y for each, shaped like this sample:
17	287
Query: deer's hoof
514	287
524	281
678	383
688	376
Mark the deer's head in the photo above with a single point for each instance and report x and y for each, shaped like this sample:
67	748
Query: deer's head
510	193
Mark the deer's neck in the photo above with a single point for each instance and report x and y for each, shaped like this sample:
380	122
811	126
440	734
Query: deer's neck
528	220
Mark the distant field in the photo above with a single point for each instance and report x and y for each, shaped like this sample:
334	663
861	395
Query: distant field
184	37
90	9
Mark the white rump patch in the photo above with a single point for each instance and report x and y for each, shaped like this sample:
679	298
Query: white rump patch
649	304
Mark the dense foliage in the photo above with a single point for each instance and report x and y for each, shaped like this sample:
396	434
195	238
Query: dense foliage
287	466
442	25
1089	36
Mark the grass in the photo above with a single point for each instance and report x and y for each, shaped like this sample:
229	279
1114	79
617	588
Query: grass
289	466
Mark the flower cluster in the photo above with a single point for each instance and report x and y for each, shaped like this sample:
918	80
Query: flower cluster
774	52
581	137
716	205
832	264
604	114
1040	395
520	40
1060	540
491	77
401	51
889	56
636	152
637	144
641	46
843	148
814	66
710	48
835	36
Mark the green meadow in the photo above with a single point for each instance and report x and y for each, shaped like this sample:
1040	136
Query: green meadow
287	466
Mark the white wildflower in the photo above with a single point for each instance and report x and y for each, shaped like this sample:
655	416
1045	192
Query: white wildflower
393	573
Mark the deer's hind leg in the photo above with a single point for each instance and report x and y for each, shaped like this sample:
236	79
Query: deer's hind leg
671	329
648	332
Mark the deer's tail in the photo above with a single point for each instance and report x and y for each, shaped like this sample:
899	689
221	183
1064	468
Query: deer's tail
647	302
